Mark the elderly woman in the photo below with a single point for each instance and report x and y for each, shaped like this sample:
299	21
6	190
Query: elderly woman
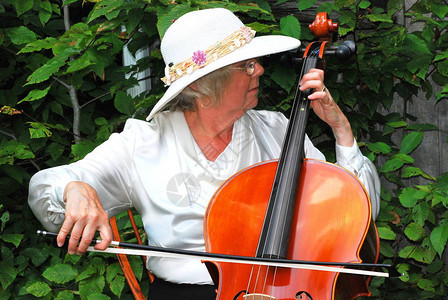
169	167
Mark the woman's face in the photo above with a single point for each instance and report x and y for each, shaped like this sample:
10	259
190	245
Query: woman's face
241	93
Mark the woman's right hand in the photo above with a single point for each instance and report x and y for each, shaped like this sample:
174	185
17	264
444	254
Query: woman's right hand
84	215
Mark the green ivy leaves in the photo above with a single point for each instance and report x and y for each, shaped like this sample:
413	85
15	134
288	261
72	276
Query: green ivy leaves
93	279
35	95
21	35
386	233
305	4
290	26
12	238
410	196
22	6
39	289
411	141
415	232
12	150
60	273
7	274
48	69
108	8
439	238
396	162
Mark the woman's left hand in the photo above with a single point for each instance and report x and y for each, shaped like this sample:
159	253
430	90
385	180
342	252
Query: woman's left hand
326	108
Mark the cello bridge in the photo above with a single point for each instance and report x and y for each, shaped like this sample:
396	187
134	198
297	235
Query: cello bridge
258	297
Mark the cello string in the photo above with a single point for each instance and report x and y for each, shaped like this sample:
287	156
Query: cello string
283	223
250	277
300	98
264	246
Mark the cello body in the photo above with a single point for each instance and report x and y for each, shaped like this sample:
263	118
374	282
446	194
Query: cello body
335	213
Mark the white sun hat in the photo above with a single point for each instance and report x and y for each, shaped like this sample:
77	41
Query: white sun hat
203	41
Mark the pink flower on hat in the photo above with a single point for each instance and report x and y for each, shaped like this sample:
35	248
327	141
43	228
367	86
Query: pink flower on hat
199	57
247	33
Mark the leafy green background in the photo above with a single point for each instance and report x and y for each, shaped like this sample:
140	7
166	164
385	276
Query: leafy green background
63	90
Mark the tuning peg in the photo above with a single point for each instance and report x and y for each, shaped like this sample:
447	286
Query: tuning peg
345	51
289	59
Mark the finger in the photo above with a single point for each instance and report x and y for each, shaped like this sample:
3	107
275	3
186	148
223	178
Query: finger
106	237
64	231
319	95
75	237
97	221
316	73
85	240
313	83
313	74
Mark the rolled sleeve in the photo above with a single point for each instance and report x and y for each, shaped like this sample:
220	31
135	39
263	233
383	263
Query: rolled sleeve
108	169
46	198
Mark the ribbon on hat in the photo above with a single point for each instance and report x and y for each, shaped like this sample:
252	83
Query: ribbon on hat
201	58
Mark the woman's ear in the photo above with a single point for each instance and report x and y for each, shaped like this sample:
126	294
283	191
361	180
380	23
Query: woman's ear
193	86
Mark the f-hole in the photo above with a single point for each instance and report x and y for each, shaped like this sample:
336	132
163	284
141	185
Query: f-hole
302	295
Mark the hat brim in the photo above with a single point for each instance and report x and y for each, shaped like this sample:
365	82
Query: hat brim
259	46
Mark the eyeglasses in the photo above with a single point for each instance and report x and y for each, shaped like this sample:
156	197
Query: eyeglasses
249	67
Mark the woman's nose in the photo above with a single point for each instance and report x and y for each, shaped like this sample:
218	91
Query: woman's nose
259	70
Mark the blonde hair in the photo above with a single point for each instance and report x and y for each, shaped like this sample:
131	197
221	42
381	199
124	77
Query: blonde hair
209	88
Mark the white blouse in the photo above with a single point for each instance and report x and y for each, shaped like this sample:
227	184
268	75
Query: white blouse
158	168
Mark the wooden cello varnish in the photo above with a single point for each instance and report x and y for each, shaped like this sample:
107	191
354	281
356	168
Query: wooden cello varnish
293	208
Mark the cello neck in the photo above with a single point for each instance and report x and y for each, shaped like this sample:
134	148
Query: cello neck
274	236
277	223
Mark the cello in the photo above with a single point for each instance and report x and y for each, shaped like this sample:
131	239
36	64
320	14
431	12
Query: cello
292	208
